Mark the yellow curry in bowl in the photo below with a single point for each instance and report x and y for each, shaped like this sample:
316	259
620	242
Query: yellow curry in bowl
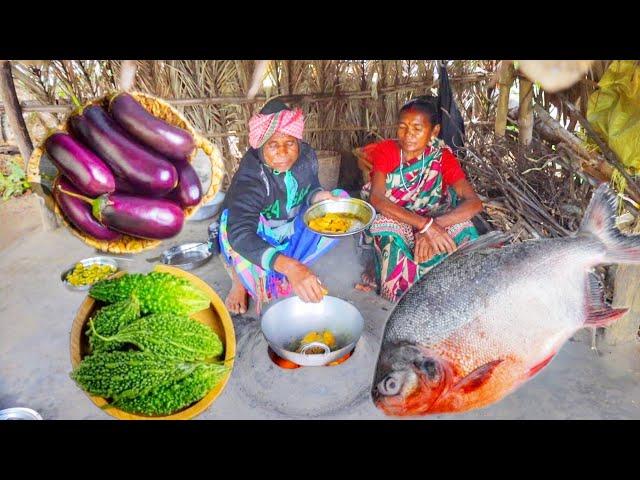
333	222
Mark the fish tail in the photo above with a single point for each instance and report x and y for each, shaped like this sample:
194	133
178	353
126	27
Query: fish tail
599	220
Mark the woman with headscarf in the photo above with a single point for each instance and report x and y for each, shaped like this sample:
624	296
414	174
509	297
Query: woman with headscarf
423	199
262	235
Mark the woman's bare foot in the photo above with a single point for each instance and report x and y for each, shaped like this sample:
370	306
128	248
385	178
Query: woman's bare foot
238	298
369	279
362	287
368	282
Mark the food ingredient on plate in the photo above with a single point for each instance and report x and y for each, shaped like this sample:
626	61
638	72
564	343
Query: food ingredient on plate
326	337
81	275
175	394
158	292
108	321
169	335
333	222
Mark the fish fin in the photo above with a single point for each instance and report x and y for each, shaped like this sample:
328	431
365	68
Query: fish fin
477	378
539	366
606	317
599	314
492	240
599	220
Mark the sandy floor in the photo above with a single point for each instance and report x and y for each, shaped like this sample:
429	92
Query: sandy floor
36	312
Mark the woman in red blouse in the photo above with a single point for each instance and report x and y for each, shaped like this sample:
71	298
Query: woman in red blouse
423	199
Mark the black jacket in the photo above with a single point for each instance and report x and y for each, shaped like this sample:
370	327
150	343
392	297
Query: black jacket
255	189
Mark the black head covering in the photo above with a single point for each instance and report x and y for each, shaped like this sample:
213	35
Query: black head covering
273	106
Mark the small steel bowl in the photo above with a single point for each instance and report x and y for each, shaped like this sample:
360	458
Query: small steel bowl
187	256
362	210
19	413
87	262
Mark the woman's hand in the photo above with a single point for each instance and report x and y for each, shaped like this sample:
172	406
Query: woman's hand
324	195
423	250
440	240
304	282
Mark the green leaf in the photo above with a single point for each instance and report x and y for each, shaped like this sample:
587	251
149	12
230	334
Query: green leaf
15	183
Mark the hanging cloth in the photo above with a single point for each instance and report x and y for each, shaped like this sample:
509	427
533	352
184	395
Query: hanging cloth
451	122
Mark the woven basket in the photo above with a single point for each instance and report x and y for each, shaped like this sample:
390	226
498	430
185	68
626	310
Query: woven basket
161	109
328	168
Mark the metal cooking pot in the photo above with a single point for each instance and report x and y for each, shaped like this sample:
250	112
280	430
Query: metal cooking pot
285	323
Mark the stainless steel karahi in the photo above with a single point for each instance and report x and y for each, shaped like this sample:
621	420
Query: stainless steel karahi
87	262
19	413
209	209
187	256
360	209
285	323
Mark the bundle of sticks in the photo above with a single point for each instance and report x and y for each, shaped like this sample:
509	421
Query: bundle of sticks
541	190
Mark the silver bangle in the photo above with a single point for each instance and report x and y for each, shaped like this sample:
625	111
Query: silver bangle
427	226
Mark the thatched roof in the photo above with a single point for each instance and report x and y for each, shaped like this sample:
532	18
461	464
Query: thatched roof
537	190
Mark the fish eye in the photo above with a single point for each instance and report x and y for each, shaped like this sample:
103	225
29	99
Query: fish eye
391	384
428	366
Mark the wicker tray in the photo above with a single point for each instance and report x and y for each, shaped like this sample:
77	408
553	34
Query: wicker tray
161	109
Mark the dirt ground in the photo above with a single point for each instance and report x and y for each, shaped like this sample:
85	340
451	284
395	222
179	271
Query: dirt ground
36	313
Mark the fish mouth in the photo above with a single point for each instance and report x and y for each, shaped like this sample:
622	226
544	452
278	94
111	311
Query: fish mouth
410	379
417	402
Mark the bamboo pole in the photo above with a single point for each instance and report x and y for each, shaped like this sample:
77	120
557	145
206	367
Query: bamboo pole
9	150
33	106
259	71
14	111
307	130
525	115
506	76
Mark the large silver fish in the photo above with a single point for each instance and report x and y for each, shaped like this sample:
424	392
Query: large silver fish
485	321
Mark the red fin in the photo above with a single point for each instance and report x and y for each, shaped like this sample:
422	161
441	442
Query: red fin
477	378
599	314
605	317
536	368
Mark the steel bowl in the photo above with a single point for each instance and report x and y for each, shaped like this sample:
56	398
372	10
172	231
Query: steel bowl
363	211
209	209
187	256
19	413
286	322
87	262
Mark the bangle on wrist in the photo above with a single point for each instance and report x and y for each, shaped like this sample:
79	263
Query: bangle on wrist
426	228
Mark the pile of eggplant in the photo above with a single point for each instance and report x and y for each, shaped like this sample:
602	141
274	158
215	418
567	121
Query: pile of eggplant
123	171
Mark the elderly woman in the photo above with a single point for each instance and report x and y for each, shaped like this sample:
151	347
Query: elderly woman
262	236
423	199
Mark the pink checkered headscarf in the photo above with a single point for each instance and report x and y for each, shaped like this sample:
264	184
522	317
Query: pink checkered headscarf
263	126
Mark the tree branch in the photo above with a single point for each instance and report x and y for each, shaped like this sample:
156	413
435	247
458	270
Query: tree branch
14	112
609	154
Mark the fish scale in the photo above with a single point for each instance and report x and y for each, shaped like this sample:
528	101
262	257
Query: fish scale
431	312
